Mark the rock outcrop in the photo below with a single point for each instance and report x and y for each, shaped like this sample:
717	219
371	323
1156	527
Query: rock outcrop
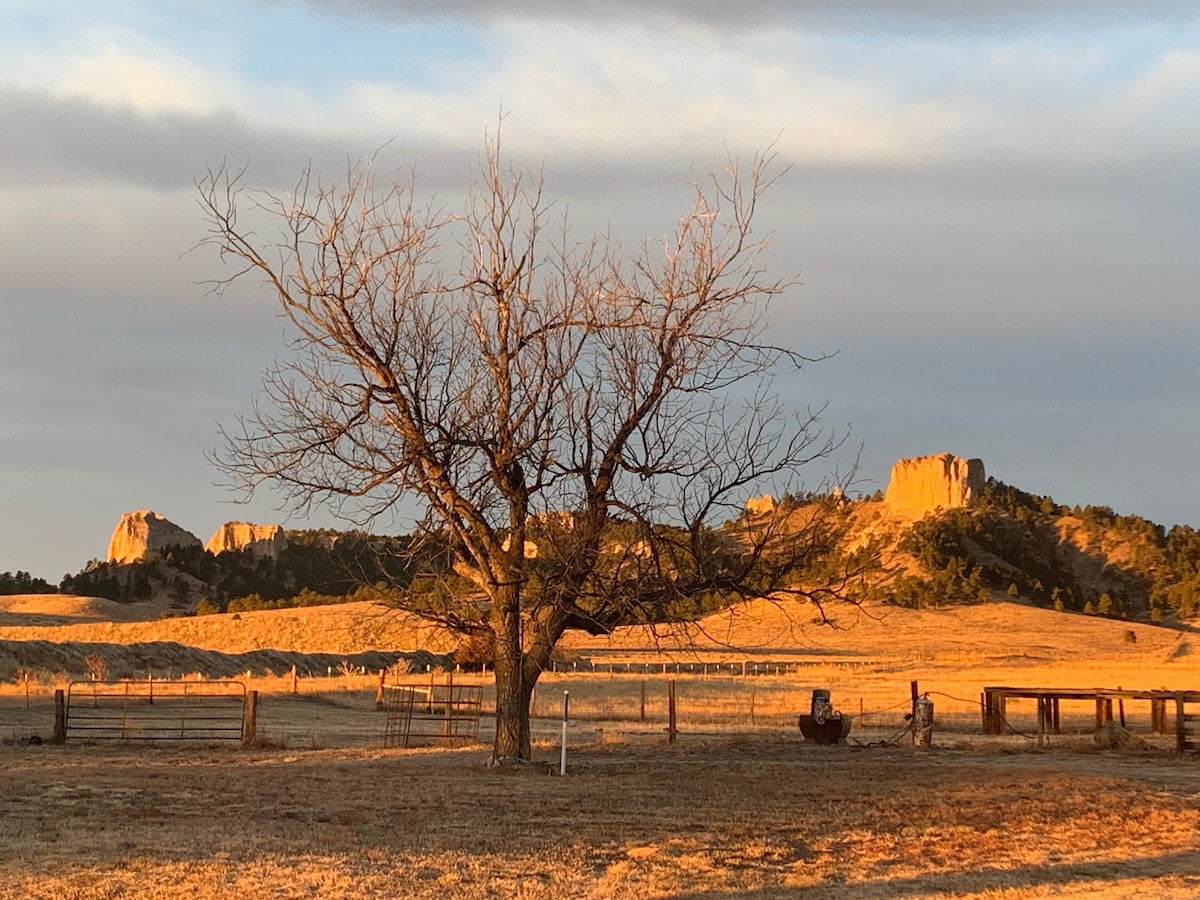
262	540
145	533
760	506
927	483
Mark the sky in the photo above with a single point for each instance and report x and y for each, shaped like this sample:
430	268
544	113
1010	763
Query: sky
993	209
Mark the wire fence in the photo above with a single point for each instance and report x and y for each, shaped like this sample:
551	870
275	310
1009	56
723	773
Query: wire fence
349	710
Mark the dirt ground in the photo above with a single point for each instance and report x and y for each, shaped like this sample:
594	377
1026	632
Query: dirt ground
712	816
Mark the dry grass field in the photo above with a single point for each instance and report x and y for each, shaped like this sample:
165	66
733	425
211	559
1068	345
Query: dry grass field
740	806
762	816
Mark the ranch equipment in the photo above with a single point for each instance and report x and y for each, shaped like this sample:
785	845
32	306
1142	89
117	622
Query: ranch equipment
824	724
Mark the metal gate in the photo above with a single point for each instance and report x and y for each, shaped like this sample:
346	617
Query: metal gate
156	711
426	713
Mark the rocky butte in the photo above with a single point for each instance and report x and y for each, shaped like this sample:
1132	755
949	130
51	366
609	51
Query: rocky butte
145	533
760	506
924	484
264	541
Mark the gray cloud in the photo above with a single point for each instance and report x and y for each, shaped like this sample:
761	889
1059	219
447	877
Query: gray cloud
832	15
55	140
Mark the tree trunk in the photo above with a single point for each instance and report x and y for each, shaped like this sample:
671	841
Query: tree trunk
512	693
512	711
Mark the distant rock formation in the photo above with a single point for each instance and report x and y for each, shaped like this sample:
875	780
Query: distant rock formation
531	549
265	541
760	506
927	483
144	534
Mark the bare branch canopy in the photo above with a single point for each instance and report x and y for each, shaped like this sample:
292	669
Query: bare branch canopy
608	408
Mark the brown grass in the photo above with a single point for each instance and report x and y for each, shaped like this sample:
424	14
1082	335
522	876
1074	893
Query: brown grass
765	816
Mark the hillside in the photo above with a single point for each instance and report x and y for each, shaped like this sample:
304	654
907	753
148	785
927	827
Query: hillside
944	535
1000	632
1009	543
1003	637
49	634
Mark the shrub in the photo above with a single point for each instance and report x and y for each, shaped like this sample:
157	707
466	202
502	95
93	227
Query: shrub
1130	636
474	651
95	667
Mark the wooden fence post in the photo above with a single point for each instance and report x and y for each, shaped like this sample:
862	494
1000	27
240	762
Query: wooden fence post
250	719
671	711
1158	716
1180	724
379	690
642	717
60	717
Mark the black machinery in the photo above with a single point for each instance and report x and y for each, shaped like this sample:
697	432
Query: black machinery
824	724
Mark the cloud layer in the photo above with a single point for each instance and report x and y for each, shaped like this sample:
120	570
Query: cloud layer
992	208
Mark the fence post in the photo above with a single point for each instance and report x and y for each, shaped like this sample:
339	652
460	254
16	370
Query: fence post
250	719
671	711
562	766
1180	724
60	717
379	691
295	687
913	711
642	716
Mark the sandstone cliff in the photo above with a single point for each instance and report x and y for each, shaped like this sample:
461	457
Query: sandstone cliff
262	540
926	483
144	534
760	506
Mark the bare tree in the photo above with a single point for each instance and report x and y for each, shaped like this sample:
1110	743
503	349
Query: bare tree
576	420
